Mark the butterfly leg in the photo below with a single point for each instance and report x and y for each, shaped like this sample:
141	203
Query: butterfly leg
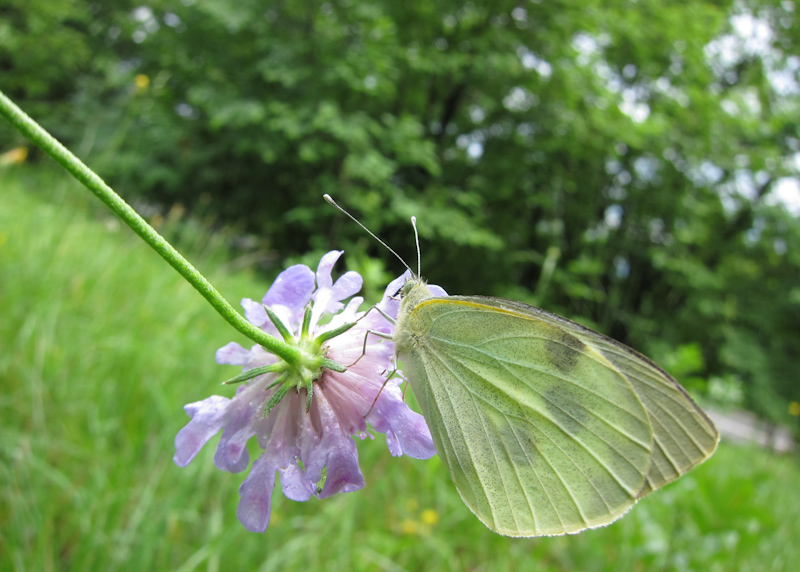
364	348
381	312
374	401
379	334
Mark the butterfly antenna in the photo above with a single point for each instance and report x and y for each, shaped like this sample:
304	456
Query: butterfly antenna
328	198
416	239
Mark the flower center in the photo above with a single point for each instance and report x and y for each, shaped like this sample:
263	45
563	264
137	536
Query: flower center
301	370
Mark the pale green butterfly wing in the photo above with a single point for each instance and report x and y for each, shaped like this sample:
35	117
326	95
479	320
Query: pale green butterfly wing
541	432
546	427
683	435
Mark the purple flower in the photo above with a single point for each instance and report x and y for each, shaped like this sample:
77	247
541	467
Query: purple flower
309	445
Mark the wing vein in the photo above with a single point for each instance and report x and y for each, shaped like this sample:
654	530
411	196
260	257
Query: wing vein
555	422
519	478
500	473
432	400
580	442
567	456
566	380
447	394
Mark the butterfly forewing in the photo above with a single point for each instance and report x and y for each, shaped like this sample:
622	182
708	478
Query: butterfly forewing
541	432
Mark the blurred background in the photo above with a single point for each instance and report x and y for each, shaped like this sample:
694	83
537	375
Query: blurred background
632	165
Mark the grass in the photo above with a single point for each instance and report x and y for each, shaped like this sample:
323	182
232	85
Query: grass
101	344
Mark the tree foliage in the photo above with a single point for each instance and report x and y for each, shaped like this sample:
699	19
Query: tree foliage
613	161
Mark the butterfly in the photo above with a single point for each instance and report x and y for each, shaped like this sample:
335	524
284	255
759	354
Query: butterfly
547	427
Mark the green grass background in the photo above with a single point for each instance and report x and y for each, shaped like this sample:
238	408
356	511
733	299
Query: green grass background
101	345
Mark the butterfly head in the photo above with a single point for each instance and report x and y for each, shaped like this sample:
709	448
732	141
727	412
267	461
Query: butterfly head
409	285
413	291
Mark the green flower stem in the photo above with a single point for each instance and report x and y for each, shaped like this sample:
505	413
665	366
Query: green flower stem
35	133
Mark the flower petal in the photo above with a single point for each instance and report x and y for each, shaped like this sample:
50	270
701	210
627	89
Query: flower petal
322	300
437	291
343	475
347	285
233	354
349	314
292	288
208	417
232	452
406	430
390	303
394	286
334	450
294	483
256	490
254	312
288	317
256	494
325	267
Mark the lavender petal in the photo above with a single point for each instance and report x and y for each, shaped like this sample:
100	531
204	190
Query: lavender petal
390	303
208	417
343	474
256	494
347	285
334	450
394	286
292	288
295	484
233	354
437	291
232	454
324	280
406	430
254	312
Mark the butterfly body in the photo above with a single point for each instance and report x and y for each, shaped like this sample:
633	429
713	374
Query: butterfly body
546	427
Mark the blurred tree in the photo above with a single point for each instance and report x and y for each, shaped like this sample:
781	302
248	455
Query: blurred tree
612	161
49	53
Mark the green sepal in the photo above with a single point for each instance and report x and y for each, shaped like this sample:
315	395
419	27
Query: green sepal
332	365
324	337
306	323
309	395
255	372
273	317
287	383
277	396
278	381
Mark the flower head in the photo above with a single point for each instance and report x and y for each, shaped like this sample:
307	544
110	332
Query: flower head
307	437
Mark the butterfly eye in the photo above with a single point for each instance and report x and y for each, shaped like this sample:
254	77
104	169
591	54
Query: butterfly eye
407	287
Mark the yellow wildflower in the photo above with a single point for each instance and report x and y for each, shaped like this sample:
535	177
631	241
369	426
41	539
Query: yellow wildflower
430	517
142	82
409	526
14	156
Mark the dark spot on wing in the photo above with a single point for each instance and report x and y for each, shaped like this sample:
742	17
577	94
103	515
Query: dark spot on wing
564	350
565	401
